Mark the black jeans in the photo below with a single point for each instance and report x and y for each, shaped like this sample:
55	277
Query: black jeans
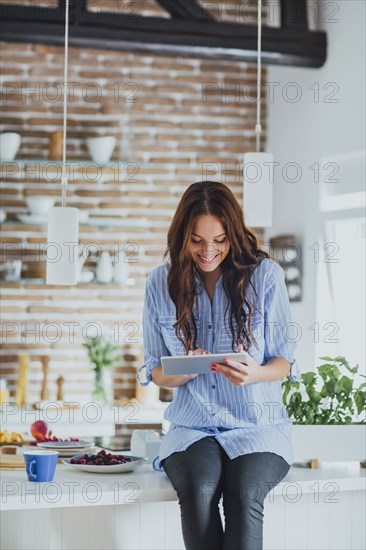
204	472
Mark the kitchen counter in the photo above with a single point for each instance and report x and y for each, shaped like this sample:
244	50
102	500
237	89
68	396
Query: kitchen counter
74	488
312	509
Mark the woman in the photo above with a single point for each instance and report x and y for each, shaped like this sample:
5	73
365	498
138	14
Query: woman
229	434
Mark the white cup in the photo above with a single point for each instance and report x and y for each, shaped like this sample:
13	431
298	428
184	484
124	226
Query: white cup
101	148
12	270
9	145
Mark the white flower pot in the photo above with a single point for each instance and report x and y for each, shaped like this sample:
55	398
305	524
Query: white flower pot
101	148
9	145
329	442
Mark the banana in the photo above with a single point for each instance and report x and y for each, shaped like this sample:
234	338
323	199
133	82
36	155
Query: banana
13	437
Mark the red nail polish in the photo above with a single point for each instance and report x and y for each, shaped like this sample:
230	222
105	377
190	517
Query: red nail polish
213	368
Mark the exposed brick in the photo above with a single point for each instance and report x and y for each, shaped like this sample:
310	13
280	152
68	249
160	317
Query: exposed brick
47	49
23	297
10	240
28	192
12	309
9	191
5	284
166	133
14	227
102	193
11	121
13	202
11	47
48	122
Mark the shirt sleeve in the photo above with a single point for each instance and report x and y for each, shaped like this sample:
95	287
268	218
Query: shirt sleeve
154	345
280	333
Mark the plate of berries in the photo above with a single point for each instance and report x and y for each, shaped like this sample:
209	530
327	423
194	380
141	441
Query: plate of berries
105	463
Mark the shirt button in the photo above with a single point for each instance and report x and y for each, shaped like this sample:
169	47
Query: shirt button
209	326
213	386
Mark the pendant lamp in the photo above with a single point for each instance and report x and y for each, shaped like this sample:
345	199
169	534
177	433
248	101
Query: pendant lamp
63	221
258	167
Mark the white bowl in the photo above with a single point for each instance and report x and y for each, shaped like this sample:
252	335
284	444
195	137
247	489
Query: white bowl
101	148
40	205
86	276
9	145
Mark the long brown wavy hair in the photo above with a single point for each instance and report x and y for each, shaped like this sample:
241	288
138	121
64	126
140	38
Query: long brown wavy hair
216	199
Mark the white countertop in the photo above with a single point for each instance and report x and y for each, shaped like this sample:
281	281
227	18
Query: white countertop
73	488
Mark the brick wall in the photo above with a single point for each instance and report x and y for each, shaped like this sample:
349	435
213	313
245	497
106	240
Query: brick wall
179	119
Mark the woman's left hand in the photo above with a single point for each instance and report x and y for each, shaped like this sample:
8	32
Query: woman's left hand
239	373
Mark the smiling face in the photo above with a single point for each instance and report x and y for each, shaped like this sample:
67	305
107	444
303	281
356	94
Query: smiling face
208	244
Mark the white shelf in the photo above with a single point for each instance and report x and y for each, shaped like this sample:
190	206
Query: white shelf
90	420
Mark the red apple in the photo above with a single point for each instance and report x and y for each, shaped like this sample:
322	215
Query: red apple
39	430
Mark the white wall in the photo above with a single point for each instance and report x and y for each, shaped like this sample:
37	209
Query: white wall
306	131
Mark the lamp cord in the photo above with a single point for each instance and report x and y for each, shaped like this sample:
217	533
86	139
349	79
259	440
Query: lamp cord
64	177
258	128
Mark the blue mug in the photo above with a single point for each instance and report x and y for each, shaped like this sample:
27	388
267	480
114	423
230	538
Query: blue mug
40	465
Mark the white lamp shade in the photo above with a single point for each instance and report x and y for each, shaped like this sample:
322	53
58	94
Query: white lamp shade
258	189
62	246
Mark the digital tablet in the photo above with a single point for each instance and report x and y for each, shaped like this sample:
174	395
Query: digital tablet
197	364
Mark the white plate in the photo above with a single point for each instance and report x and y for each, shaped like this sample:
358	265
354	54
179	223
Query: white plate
65	445
62	453
137	461
33	219
70	454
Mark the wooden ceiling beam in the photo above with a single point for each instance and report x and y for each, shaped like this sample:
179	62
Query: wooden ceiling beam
157	35
294	14
185	9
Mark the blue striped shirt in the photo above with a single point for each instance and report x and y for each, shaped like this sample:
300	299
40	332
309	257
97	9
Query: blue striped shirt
244	419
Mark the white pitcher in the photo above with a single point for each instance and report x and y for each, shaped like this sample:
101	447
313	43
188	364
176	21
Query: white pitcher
9	145
121	271
145	443
104	271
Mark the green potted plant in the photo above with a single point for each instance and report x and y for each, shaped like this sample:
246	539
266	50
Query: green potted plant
103	356
327	409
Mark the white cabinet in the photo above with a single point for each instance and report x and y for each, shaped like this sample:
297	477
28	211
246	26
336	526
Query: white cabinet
308	510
